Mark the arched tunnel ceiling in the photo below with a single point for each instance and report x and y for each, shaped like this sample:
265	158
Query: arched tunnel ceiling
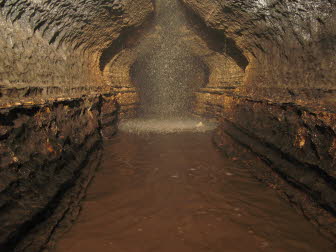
288	45
62	42
297	38
92	25
52	48
223	68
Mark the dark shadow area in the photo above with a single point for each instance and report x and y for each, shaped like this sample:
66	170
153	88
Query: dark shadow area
128	39
215	40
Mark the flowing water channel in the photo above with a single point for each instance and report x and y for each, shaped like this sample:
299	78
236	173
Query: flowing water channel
177	193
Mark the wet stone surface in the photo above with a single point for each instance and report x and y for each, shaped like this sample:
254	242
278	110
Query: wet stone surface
177	192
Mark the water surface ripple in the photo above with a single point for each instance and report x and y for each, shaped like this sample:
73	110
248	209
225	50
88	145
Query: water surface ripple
177	193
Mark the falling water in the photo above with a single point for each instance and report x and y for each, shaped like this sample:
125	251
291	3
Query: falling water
167	70
166	75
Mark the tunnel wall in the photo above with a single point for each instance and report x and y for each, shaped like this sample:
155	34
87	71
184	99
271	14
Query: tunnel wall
55	109
281	121
288	43
118	74
222	81
55	48
49	154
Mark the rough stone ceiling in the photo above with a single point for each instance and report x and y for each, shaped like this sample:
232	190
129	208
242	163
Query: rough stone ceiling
88	24
295	37
58	44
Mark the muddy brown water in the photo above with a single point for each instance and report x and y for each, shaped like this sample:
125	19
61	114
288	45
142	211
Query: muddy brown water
178	193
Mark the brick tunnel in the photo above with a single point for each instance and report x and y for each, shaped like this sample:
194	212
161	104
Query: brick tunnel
167	125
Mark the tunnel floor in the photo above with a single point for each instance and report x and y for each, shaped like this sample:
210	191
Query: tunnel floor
177	193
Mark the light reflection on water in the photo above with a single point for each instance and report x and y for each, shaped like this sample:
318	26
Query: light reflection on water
166	126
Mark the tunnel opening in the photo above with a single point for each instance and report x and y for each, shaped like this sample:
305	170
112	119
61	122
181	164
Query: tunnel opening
129	38
162	69
166	74
166	84
216	40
